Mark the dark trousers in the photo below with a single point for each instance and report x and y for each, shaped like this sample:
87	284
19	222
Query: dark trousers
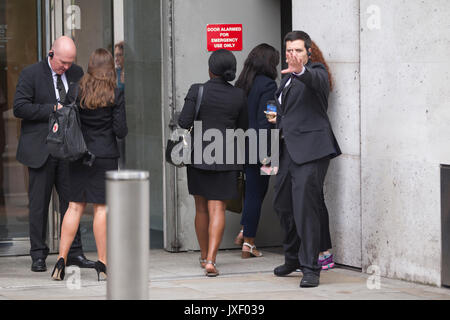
256	186
53	173
299	203
325	237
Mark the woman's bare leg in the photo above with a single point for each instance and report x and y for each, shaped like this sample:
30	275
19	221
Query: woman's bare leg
100	231
69	227
202	225
216	211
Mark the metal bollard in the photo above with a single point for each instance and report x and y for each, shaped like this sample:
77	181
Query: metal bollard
128	244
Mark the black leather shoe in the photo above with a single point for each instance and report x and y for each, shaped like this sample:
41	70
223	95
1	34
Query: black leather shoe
81	262
38	265
310	280
284	270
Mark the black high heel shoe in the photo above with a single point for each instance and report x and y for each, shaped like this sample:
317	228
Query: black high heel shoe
59	272
101	270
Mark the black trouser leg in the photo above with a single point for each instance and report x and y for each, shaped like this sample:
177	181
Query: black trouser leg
62	187
40	190
282	203
39	194
256	186
325	241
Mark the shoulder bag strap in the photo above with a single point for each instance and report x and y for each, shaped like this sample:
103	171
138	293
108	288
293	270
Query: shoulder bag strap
197	105
75	97
199	101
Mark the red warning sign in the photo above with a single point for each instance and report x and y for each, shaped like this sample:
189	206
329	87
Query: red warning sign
224	36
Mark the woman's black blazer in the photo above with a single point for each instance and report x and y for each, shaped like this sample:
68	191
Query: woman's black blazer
223	107
262	91
101	127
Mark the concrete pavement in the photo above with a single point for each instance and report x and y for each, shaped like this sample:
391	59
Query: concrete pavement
178	276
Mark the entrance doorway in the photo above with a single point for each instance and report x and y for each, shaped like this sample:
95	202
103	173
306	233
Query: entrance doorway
27	30
90	25
20	45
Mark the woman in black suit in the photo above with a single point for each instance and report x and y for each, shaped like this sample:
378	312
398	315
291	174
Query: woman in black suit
102	115
257	79
212	182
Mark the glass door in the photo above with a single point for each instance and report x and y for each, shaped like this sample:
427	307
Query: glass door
90	24
27	30
20	46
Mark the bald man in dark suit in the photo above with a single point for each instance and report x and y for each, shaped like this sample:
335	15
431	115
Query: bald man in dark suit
42	88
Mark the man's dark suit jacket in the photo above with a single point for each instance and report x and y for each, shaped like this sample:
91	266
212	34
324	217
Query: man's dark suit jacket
101	126
223	107
33	103
303	118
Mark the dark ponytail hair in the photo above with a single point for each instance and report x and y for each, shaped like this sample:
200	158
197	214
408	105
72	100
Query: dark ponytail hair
222	63
229	75
262	60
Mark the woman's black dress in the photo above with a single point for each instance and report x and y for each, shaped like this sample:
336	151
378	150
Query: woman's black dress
100	128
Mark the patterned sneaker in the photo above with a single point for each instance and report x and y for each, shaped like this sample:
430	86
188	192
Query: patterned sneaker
326	262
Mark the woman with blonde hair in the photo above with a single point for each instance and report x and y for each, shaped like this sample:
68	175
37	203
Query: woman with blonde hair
101	107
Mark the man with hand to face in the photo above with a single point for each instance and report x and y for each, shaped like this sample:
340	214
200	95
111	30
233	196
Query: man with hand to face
307	145
41	89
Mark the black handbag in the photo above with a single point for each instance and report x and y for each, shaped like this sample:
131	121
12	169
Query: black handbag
65	139
237	205
175	147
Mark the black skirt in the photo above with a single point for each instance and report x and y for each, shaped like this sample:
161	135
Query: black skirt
88	184
213	185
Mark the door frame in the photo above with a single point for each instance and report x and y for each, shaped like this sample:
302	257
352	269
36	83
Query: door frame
21	245
53	29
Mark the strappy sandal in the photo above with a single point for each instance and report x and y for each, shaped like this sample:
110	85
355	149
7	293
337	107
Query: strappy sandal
252	253
239	240
214	273
202	262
